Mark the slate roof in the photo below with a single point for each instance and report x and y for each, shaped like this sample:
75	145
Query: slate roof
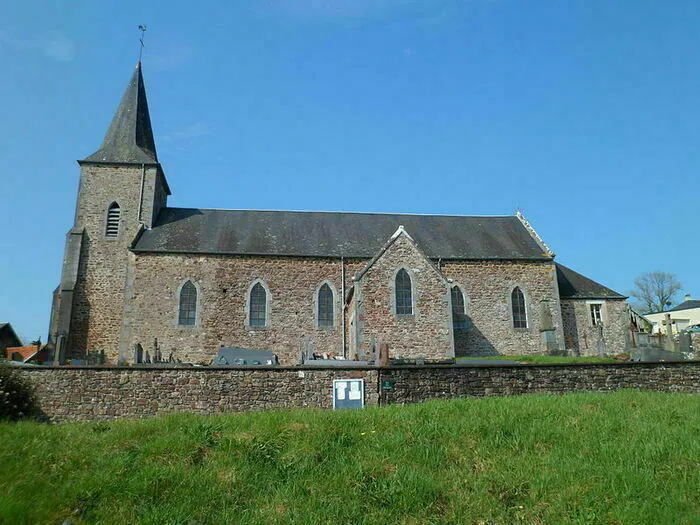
8	327
573	285
129	138
686	305
335	234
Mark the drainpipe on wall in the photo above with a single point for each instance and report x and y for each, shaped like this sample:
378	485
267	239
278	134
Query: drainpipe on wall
342	300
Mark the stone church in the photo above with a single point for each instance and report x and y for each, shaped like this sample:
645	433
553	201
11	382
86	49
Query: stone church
431	286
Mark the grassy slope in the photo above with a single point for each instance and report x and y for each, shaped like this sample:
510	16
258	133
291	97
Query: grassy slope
628	457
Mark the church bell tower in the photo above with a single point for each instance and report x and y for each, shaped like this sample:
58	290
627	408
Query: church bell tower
122	189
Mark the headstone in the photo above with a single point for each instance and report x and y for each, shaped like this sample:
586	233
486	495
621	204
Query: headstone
600	343
667	322
545	316
669	344
60	352
383	354
138	353
684	343
307	348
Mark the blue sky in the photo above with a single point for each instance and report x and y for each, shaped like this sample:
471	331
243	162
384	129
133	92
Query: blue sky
582	113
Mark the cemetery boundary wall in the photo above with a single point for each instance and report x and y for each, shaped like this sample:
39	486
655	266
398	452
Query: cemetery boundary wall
94	393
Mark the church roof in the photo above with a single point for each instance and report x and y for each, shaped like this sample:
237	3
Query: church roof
129	138
573	285
335	234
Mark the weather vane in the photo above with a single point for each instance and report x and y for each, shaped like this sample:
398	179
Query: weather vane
142	28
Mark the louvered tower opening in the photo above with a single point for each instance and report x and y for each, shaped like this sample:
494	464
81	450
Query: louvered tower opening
113	215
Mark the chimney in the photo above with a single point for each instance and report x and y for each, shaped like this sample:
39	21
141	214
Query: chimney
687	297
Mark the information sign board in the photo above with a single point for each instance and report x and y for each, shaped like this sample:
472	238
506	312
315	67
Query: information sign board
348	393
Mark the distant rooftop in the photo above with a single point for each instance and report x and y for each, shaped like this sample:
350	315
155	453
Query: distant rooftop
686	305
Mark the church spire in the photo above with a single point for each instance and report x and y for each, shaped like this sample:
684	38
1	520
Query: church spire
129	138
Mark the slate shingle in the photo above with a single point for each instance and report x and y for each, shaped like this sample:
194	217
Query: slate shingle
573	285
335	234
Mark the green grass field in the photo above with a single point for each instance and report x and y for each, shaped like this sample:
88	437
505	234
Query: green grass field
624	458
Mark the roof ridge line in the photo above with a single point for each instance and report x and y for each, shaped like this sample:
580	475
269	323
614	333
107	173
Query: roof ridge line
344	212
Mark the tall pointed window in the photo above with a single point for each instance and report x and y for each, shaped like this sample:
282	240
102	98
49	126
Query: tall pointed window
258	306
325	306
188	305
459	311
519	311
404	297
113	214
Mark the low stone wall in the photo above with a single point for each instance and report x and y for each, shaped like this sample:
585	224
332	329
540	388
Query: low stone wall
92	393
72	394
412	385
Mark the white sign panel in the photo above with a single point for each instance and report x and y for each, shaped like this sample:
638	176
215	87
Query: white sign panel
348	393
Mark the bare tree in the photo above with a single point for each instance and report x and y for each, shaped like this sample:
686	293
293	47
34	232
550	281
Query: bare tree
655	291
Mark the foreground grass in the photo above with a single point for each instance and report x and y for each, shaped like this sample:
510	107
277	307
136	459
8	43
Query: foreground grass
542	359
628	457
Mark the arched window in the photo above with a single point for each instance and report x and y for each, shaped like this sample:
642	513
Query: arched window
188	305
404	298
258	306
325	306
459	311
113	214
519	312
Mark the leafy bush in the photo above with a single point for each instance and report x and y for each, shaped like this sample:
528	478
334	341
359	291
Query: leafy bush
17	395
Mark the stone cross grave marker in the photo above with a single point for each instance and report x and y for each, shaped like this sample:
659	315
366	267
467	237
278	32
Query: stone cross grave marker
668	322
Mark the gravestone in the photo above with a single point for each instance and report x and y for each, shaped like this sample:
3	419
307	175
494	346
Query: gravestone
600	344
684	343
138	353
383	355
548	333
668	323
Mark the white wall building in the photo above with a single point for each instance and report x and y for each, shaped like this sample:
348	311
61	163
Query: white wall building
682	316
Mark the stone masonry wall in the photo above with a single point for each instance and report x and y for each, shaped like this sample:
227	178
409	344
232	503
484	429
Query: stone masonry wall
416	384
582	337
99	293
223	284
74	394
487	287
224	281
425	333
98	304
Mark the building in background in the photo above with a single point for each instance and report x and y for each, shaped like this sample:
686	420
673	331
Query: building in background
683	316
8	337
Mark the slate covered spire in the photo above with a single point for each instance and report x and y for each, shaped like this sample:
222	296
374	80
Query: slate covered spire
129	138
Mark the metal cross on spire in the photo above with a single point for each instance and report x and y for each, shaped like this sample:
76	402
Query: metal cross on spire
142	28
